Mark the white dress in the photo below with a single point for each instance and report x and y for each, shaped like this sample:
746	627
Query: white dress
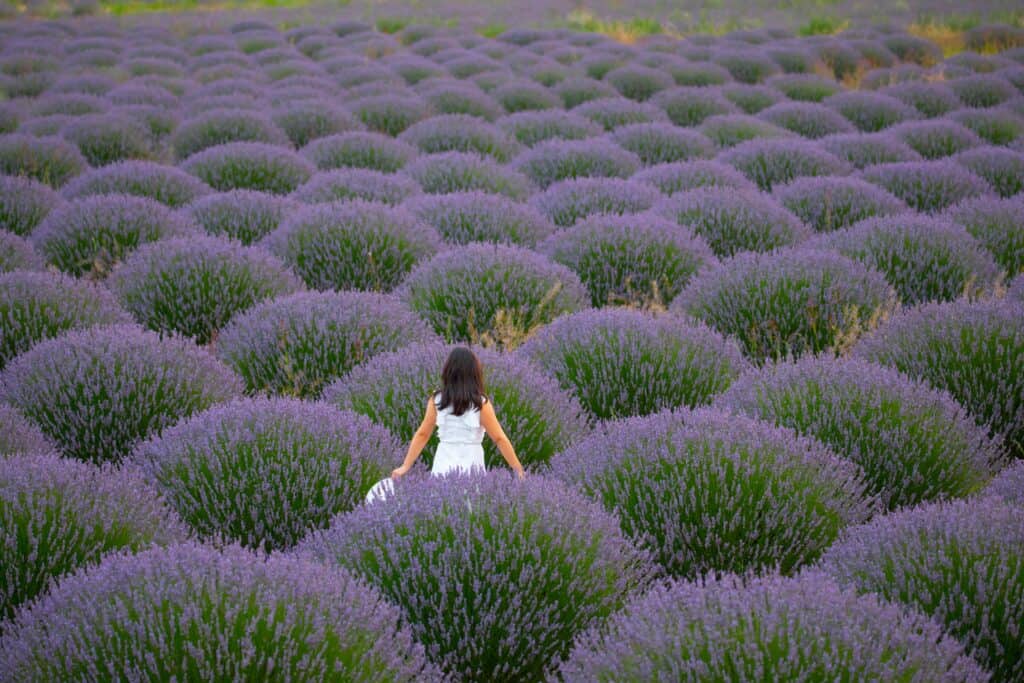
461	446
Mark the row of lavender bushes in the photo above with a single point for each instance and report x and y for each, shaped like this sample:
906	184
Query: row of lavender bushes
750	307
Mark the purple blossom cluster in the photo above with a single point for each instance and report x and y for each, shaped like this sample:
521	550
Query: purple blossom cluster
731	627
96	391
190	607
485	531
957	561
620	362
60	515
1009	484
264	472
914	442
304	211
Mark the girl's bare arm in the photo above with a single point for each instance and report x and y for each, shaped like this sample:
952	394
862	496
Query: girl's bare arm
419	439
490	423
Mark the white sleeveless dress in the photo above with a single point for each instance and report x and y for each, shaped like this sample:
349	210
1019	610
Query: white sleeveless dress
461	447
461	440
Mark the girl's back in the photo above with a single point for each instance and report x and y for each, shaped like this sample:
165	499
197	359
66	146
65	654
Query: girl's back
452	428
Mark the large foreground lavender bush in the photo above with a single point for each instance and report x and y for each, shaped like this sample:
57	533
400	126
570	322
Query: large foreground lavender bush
688	486
59	515
352	245
731	628
37	305
973	350
190	610
621	362
393	389
295	344
266	471
913	441
491	293
95	392
195	285
487	531
789	302
959	562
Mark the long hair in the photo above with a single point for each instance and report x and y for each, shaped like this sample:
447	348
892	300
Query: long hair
462	381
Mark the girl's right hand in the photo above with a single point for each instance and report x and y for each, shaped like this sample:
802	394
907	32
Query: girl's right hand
398	472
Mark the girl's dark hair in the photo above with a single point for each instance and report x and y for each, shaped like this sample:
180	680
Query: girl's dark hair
462	380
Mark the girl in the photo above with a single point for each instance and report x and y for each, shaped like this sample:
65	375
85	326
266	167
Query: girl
462	414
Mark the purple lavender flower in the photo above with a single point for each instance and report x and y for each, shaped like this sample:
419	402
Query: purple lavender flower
870	112
1009	484
460	133
830	203
691	105
484	531
448	172
352	245
807	119
264	472
393	388
18	436
867	149
973	350
249	165
60	515
91	235
107	138
491	293
389	114
936	138
788	302
243	215
569	201
518	95
638	82
682	176
1002	168
359	149
165	184
307	120
96	391
996	224
658	143
615	112
24	203
914	442
720	628
733	220
768	162
554	160
38	305
927	186
463	217
355	183
982	90
50	160
931	98
957	562
683	363
222	603
923	258
221	126
804	87
997	126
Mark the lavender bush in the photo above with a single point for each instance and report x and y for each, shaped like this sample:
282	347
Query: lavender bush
90	236
996	224
683	176
914	442
931	99
957	561
1009	484
830	203
107	138
264	472
492	294
731	627
636	260
534	127
37	305
306	120
569	201
294	345
460	133
393	389
170	186
24	203
389	114
732	220
359	149
867	149
96	391
352	245
60	515
195	285
355	183
612	113
49	159
973	350
463	217
192	608
464	172
249	166
807	119
927	186
922	257
243	215
996	126
868	111
221	126
16	253
621	362
769	162
690	106
936	138
486	531
1002	168
660	143
554	160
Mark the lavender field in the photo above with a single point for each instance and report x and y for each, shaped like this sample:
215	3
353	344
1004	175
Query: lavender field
750	305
